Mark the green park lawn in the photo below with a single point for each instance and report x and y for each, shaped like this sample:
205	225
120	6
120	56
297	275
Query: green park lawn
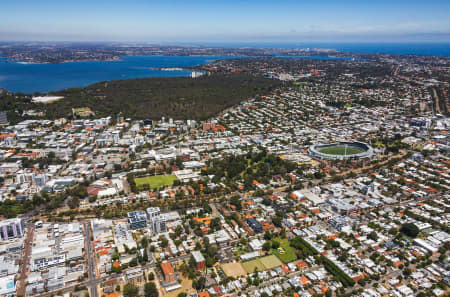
289	252
155	181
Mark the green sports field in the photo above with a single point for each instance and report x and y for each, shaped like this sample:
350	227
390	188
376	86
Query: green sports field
156	181
340	150
288	254
264	263
270	262
250	266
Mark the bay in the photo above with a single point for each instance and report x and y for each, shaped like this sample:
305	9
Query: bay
30	78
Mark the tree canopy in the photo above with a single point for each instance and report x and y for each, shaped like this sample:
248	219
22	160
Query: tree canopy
410	229
130	290
177	97
150	290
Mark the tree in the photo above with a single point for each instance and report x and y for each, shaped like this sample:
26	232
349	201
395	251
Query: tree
277	221
200	283
182	294
236	201
215	224
144	242
275	244
151	276
198	246
410	229
150	290
373	235
164	243
74	202
266	246
130	290
178	230
145	256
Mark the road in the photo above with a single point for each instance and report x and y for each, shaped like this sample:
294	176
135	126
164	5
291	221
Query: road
401	154
91	260
93	282
22	280
396	70
436	106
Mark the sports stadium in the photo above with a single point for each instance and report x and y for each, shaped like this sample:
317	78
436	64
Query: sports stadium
341	150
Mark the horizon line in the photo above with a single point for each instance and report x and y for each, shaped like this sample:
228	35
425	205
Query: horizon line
200	43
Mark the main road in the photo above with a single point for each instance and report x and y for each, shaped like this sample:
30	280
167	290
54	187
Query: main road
91	260
93	282
23	273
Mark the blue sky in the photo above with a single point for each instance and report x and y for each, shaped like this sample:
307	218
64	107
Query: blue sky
225	21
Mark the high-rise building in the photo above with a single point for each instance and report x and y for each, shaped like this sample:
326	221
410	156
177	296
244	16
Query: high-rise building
153	212
41	180
116	136
11	228
158	224
9	141
199	260
155	220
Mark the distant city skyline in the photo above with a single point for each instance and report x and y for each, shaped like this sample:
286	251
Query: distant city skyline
226	21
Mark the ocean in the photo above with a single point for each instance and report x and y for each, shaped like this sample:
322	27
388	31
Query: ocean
413	48
30	78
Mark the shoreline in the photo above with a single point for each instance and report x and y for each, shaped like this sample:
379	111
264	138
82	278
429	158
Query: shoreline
305	55
184	71
62	62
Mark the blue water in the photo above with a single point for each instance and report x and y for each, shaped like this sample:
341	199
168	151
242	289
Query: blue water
30	78
412	48
52	77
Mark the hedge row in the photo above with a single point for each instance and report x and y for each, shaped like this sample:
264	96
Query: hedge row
301	244
340	275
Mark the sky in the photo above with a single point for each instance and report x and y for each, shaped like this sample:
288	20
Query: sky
231	21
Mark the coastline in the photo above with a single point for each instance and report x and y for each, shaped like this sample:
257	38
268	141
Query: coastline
66	61
37	77
28	77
